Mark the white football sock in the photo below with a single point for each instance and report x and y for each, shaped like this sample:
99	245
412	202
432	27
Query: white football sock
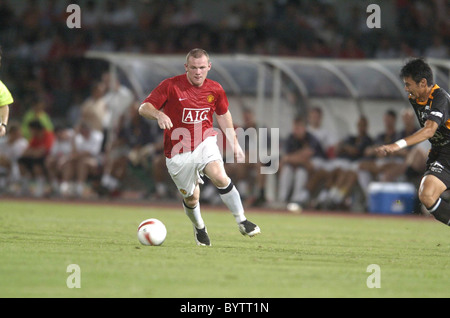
230	196
194	215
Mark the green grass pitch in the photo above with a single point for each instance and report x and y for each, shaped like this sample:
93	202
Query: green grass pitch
306	255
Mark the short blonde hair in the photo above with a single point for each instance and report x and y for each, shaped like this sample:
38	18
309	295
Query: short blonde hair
197	53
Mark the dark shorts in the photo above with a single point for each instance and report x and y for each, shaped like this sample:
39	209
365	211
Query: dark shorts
438	165
30	162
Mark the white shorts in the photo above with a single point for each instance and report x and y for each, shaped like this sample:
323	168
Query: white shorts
186	168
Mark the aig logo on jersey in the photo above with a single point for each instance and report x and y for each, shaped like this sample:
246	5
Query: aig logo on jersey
195	115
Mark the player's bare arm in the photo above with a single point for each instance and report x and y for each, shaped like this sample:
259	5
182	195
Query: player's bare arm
225	122
422	134
4	115
149	111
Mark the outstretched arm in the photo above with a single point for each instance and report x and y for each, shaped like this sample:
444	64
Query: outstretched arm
422	134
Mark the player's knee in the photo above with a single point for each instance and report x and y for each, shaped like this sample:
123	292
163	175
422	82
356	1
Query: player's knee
219	178
221	181
191	201
217	174
427	198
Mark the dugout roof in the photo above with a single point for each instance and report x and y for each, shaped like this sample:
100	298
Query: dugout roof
245	75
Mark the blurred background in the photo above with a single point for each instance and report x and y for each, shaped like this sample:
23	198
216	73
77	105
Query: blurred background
275	58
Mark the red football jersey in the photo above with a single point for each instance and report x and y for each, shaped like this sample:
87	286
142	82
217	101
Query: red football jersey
190	108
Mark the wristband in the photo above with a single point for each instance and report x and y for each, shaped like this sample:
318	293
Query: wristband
401	143
3	124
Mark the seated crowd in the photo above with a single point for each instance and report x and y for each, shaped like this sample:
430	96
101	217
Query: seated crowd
317	171
89	158
109	139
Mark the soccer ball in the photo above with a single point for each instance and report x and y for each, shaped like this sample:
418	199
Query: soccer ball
151	232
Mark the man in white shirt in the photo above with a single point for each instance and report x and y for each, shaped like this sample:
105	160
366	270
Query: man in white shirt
59	155
85	159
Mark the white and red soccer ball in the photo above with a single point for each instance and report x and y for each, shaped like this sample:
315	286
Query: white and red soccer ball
151	232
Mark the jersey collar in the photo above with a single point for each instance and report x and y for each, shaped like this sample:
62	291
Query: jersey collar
435	87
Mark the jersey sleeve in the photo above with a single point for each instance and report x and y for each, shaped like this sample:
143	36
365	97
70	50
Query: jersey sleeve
158	97
222	102
439	111
5	96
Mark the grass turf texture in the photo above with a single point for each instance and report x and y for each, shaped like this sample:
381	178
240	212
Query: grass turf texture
307	255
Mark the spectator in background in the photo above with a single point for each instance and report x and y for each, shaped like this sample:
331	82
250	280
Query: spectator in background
123	15
101	42
118	99
343	175
328	141
90	18
351	50
12	148
52	13
385	49
58	48
296	164
93	109
84	161
30	18
136	143
416	158
37	112
249	179
373	167
437	49
186	15
7	15
324	135
406	50
107	12
147	150
59	156
413	165
32	161
409	122
232	21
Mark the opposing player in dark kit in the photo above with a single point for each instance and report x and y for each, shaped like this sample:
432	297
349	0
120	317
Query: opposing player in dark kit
432	107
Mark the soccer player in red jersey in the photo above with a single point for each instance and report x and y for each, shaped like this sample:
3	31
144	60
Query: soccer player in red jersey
184	106
432	107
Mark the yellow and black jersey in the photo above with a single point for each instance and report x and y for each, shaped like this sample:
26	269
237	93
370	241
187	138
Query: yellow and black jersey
5	95
437	109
